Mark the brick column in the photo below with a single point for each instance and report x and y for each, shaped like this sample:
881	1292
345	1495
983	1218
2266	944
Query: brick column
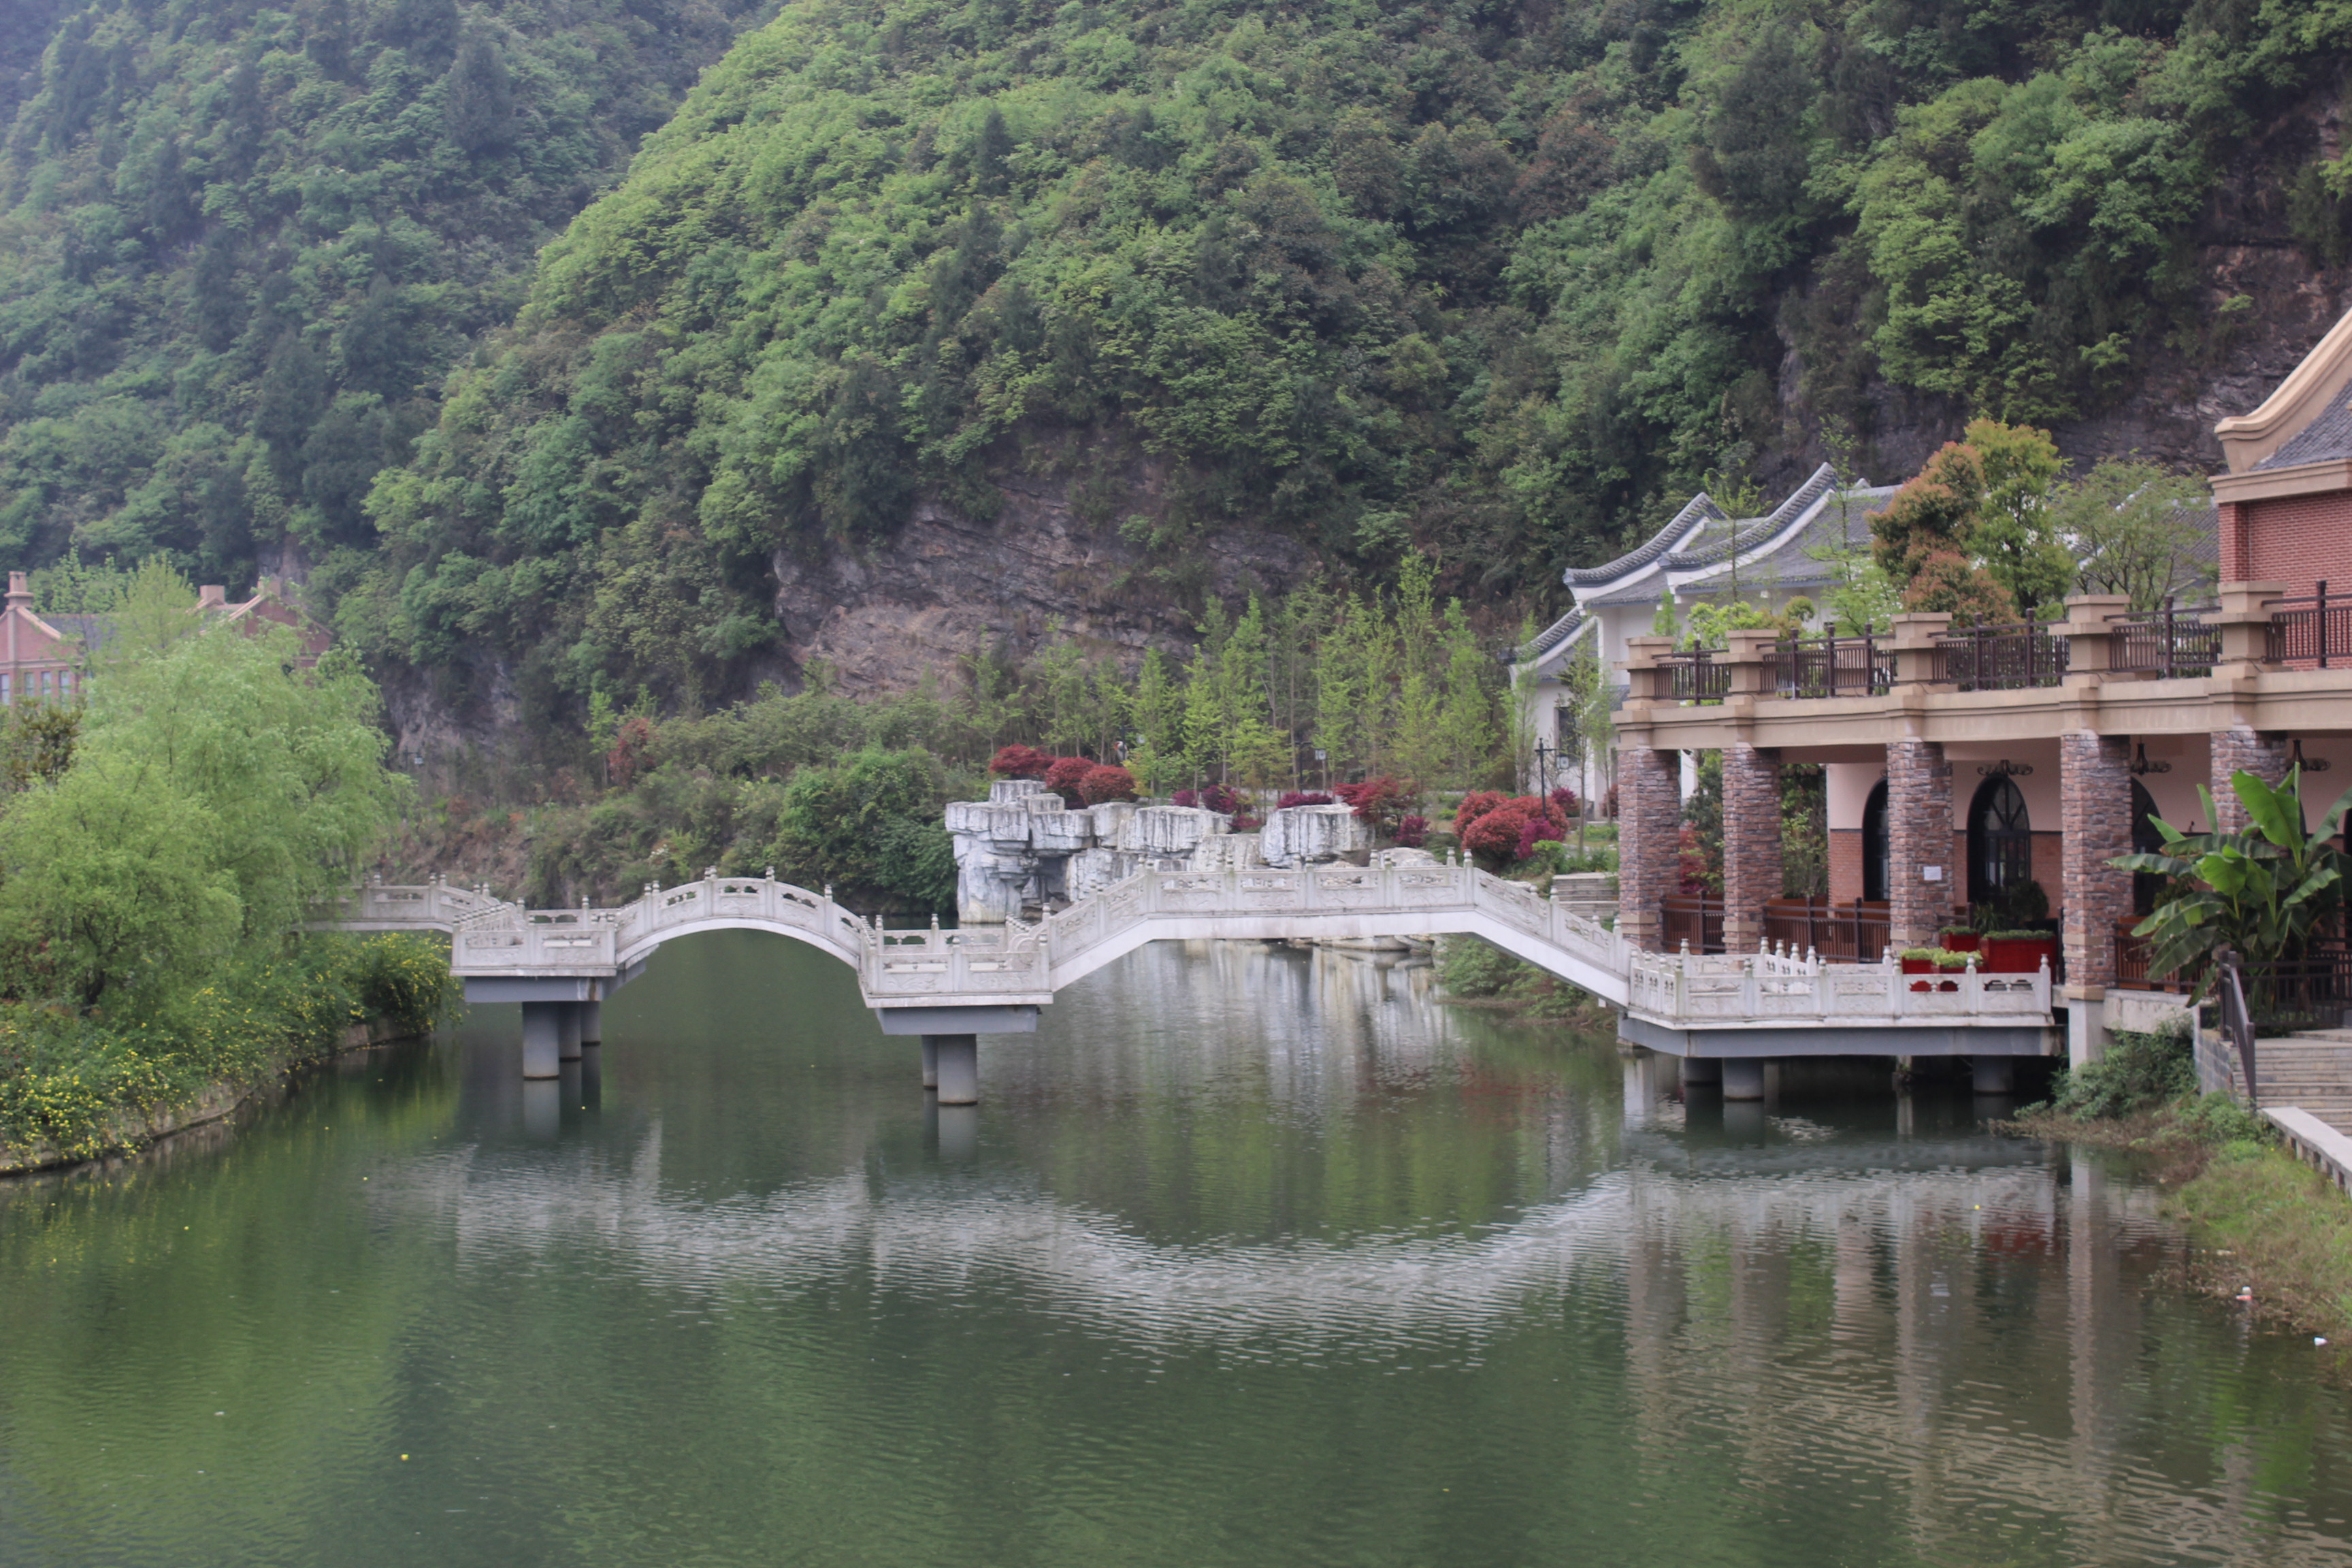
1751	843
2243	750
1918	835
1649	839
2094	812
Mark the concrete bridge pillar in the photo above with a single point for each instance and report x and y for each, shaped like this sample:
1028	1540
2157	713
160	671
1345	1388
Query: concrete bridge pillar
591	1023
930	1062
542	1038
1702	1073
1744	1077
956	1063
1995	1075
567	1023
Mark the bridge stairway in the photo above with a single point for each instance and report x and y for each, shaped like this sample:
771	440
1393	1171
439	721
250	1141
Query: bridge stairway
2310	1071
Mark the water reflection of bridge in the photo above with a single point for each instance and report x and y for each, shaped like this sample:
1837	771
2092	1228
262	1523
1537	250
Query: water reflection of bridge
1831	1310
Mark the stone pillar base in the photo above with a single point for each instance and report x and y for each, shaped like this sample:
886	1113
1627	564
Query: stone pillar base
1744	1077
542	1038
930	1062
1995	1075
591	1023
958	1065
567	1025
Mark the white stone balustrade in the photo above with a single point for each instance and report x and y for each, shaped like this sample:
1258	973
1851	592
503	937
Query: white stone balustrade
1018	964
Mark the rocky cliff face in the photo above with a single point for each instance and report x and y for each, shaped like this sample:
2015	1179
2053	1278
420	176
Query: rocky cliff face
2264	286
950	588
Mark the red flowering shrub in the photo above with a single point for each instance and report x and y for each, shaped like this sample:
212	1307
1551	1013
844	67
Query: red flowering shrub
1096	785
1216	798
1063	777
1564	798
1476	805
1412	832
1382	801
1512	828
1020	762
1691	863
1303	797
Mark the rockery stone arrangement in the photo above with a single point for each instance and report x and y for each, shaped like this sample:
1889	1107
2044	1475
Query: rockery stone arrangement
1023	849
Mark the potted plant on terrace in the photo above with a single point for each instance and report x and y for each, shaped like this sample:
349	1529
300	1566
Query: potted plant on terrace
1959	939
1938	961
2019	951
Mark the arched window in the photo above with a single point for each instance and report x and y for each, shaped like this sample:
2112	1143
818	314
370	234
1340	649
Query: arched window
1873	844
2146	840
2000	841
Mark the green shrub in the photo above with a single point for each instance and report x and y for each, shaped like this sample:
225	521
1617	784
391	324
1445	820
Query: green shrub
2139	1072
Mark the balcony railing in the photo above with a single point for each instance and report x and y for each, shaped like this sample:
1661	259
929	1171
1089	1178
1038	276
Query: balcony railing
2168	643
1832	667
1849	932
1695	677
2000	658
2311	630
1696	919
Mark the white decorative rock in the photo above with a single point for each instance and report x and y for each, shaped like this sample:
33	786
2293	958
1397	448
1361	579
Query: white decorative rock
1169	830
1011	792
1314	835
1061	832
1092	870
1227	852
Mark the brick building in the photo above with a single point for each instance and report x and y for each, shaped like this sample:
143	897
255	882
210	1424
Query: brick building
1962	767
45	658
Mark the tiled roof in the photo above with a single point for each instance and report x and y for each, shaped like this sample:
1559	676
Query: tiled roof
1748	535
2329	436
1552	636
1700	506
1794	565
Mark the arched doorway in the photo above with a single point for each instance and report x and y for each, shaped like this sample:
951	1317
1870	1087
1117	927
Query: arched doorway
1873	844
2000	841
2146	840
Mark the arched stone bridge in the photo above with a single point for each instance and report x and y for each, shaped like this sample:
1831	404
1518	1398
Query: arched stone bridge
951	985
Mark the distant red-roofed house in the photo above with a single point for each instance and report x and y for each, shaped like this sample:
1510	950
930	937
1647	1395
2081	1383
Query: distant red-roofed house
45	658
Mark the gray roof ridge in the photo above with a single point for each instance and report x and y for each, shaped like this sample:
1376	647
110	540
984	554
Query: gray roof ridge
1801	500
1552	636
1701	505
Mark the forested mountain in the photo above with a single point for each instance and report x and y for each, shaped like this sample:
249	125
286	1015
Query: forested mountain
244	245
1125	301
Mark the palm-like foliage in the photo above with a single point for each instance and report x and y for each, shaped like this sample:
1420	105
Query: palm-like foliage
2267	892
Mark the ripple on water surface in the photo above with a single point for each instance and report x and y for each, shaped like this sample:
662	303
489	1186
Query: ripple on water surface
1251	1257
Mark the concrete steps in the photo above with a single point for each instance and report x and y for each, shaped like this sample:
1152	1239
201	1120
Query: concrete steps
2311	1071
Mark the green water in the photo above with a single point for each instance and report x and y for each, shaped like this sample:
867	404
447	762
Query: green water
1249	1257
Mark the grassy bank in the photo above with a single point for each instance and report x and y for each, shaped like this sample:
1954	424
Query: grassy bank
2264	1221
77	1084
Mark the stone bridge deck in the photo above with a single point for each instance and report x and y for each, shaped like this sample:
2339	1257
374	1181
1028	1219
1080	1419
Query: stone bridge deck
992	978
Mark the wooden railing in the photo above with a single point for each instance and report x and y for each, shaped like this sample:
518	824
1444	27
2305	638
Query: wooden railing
1690	920
1832	667
1857	932
2000	658
2311	630
2168	643
1695	676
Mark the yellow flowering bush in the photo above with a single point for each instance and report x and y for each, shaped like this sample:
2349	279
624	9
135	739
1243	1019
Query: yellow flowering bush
77	1081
